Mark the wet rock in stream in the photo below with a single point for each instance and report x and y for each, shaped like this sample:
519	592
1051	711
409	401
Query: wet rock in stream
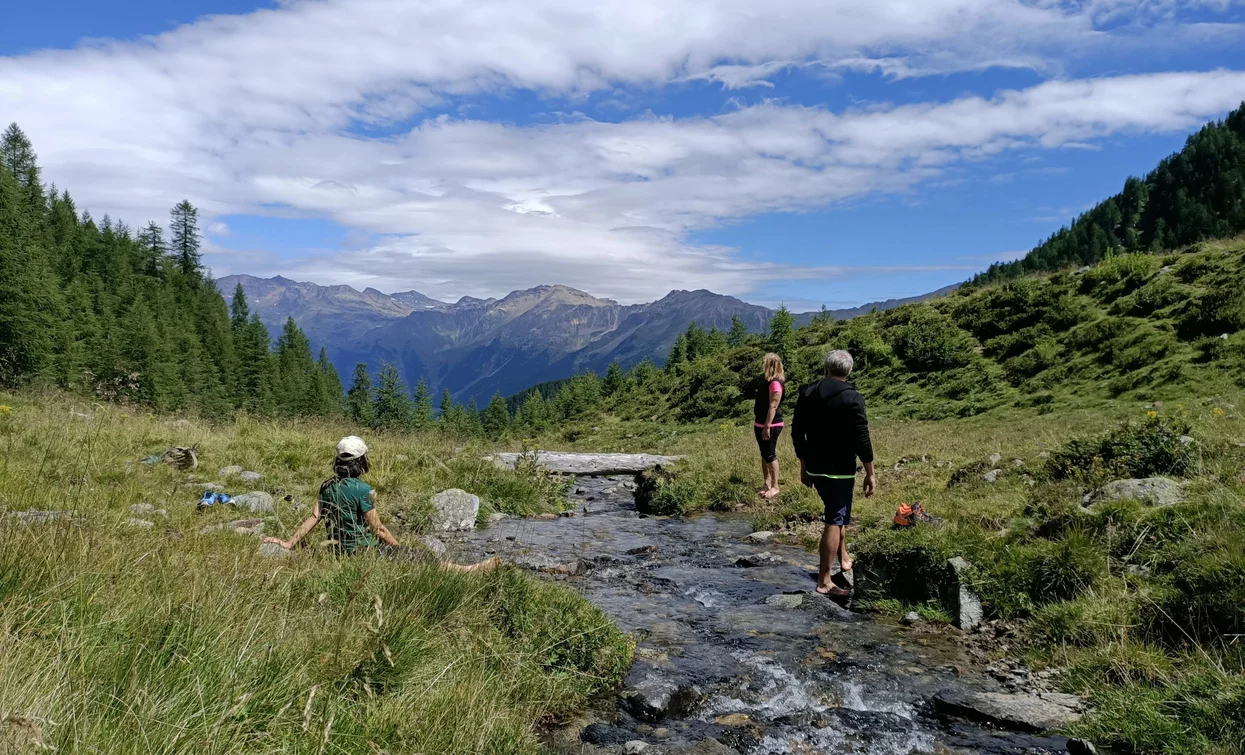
742	660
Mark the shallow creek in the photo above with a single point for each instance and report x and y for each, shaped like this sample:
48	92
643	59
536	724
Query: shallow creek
748	656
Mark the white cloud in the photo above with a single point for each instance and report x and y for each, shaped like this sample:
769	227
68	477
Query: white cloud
244	113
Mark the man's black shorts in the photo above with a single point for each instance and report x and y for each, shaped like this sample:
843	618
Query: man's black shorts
837	497
769	448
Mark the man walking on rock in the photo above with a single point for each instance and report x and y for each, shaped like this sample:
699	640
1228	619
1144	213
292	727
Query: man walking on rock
830	431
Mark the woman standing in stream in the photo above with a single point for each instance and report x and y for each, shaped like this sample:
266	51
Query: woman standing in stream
767	422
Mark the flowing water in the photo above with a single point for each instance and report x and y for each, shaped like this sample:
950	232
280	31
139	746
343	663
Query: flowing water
720	656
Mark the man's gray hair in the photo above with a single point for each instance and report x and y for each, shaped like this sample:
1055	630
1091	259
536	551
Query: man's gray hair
838	363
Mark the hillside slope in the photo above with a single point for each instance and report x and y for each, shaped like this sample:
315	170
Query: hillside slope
1142	325
1196	194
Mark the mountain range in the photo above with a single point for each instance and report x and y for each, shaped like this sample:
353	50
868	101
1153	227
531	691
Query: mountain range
475	347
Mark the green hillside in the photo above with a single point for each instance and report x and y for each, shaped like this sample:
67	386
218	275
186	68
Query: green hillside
1137	326
1194	195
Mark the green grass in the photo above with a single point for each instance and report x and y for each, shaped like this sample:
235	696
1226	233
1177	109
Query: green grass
123	640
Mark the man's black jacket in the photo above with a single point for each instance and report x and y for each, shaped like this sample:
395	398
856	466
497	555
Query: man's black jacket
830	428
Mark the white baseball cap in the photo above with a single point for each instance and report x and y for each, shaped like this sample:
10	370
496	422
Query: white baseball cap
351	447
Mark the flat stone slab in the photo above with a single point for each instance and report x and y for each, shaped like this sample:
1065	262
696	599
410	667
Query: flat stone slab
589	465
1035	713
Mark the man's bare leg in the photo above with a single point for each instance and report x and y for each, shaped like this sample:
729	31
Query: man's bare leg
831	543
845	560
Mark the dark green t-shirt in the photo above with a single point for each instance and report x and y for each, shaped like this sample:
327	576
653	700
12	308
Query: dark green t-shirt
343	504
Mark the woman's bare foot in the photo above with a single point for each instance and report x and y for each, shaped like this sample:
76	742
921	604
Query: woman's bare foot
833	591
771	493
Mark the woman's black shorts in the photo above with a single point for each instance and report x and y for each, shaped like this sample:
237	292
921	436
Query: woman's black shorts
837	497
769	448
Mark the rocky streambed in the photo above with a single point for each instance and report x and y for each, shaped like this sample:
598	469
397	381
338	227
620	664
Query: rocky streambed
736	653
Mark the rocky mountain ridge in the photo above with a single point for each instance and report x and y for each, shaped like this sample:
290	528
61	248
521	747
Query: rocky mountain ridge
475	347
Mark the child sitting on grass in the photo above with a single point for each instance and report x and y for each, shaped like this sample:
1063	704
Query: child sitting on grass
347	505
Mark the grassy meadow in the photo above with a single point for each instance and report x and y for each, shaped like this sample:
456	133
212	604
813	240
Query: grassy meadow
122	639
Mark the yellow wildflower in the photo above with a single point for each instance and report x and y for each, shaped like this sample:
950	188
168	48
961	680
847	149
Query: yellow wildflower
1217	411
5	410
1152	414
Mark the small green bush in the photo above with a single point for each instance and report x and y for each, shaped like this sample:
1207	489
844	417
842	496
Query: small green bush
1117	276
1146	449
928	341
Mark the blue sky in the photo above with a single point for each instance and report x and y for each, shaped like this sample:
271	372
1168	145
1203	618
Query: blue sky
797	151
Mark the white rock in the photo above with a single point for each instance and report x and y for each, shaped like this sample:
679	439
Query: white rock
142	524
272	550
454	509
635	747
764	536
251	476
230	471
992	475
257	502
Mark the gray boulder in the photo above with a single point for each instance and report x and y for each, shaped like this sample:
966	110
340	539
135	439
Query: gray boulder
655	697
634	747
966	608
272	550
910	618
1022	711
142	524
147	508
764	558
230	471
251	476
256	502
764	536
992	476
1152	491
433	544
454	509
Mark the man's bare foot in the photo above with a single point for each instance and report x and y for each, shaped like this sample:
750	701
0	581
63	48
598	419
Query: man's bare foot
846	566
833	591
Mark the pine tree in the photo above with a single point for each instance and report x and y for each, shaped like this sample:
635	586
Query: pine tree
422	416
678	353
328	386
17	156
738	334
256	383
535	412
151	241
184	228
715	341
496	419
393	410
239	312
471	419
296	373
782	334
614	380
359	398
31	302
